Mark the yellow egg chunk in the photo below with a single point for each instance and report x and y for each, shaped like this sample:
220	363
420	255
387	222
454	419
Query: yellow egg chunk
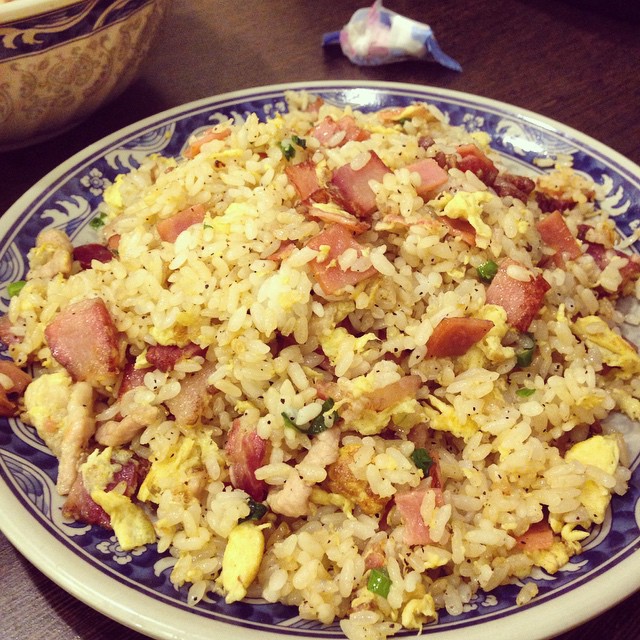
553	559
442	417
419	611
241	560
130	523
467	206
602	452
616	351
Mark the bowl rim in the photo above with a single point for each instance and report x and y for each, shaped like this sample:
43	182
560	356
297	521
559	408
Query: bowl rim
19	9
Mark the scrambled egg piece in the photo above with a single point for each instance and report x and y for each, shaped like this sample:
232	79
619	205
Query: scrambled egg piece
342	481
419	611
182	466
482	139
554	558
602	452
324	498
241	560
46	401
469	206
490	347
433	560
404	415
627	403
616	351
232	220
442	417
417	110
130	523
112	194
97	471
338	340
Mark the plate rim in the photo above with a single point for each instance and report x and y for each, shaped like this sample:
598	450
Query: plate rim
146	619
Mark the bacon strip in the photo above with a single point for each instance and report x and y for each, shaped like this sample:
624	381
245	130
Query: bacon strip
409	503
556	234
85	254
165	357
474	160
170	228
432	175
352	185
246	451
304	178
521	300
329	274
455	336
84	340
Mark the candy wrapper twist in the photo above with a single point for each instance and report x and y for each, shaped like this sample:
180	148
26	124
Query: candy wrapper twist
376	35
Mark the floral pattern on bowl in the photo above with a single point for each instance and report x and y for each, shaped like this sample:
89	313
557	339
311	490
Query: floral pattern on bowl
58	67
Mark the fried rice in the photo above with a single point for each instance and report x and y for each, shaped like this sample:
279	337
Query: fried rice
369	402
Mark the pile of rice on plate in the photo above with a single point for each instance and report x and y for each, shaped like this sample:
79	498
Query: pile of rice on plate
339	360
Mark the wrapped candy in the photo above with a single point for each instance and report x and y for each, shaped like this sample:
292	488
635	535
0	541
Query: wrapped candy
376	35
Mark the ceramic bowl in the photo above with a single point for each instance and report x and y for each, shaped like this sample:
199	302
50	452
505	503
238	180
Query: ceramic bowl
62	59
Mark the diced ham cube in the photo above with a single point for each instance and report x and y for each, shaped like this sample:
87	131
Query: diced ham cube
549	203
507	184
284	250
84	340
85	254
521	300
246	451
335	133
455	336
17	381
131	378
474	160
304	178
432	175
80	507
602	256
188	405
335	215
460	228
556	234
538	537
328	273
170	228
19	378
406	387
113	242
165	357
352	185
7	337
213	134
409	503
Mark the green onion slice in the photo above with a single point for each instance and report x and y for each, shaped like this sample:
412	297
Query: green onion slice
524	350
422	460
15	288
525	392
320	423
487	270
98	221
256	510
379	582
288	150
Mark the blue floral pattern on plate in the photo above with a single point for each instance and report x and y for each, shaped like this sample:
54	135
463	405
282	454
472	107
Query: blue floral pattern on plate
68	199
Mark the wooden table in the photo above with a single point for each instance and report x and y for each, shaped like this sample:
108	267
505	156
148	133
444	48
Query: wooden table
575	62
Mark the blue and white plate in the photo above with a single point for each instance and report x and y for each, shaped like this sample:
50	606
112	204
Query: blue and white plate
134	587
